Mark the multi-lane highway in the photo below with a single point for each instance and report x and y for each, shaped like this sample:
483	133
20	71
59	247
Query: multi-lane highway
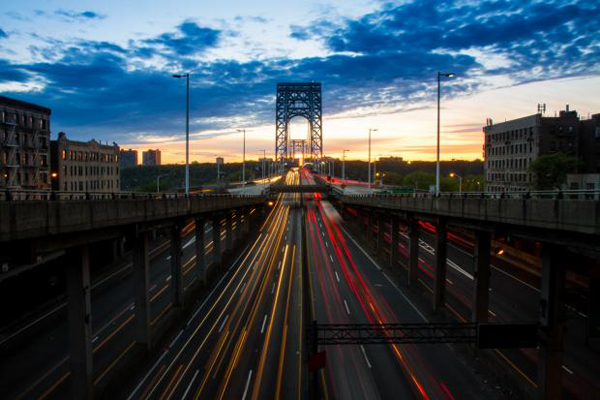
34	357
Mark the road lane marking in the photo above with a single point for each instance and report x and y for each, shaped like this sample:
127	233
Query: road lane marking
337	276
176	338
347	309
273	290
492	313
331	258
190	385
567	369
94	340
263	324
365	355
279	265
223	324
247	385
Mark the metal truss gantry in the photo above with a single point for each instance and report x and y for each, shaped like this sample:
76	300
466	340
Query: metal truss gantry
299	100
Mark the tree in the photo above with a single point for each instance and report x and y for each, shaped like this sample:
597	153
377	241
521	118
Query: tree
550	170
419	180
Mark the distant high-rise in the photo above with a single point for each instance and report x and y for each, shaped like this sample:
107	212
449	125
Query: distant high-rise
24	145
129	158
151	157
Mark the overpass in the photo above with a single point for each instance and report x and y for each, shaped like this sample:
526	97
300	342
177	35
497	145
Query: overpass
274	189
557	223
31	229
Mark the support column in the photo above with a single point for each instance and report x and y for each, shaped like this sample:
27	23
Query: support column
200	250
369	229
229	232
552	322
141	290
439	273
80	324
380	230
481	295
413	253
216	231
176	273
394	241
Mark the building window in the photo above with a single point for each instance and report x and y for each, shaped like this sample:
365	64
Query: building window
64	154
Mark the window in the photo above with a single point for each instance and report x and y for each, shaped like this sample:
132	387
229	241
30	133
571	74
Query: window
64	154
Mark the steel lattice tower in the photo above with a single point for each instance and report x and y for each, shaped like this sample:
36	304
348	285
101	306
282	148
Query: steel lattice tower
299	100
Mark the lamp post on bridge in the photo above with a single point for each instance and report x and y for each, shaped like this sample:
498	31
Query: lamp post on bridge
187	131
344	165
460	178
370	130
437	163
158	182
243	159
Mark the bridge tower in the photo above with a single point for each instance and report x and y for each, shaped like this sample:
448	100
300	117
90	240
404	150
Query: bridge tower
298	100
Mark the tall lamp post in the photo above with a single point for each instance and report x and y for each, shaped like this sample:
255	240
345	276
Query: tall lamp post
437	163
158	183
262	164
460	178
187	131
370	130
344	165
243	159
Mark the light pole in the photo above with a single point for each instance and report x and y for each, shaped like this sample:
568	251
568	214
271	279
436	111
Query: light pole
158	183
243	159
187	131
437	163
262	166
344	165
460	178
370	130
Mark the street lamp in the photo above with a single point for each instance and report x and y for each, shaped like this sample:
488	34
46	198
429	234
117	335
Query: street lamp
460	178
437	163
243	159
262	165
344	165
187	131
370	130
158	183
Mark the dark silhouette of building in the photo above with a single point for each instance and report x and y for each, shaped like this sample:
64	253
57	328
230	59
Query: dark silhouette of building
151	157
129	158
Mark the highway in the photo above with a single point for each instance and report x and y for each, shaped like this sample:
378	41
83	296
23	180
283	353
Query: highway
35	357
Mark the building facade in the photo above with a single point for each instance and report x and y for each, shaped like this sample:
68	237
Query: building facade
151	157
24	145
589	144
84	166
129	158
510	147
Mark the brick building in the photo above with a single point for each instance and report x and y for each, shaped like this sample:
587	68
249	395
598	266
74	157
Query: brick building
24	145
84	166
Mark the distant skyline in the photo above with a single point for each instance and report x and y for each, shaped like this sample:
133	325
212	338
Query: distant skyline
104	68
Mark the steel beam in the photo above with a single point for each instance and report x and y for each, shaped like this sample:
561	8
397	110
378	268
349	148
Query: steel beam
80	323
481	292
141	290
176	274
439	274
552	322
201	249
413	256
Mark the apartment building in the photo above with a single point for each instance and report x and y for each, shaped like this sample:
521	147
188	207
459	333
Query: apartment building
24	145
84	166
129	158
510	147
151	157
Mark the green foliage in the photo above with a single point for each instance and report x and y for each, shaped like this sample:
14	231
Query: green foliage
419	180
550	170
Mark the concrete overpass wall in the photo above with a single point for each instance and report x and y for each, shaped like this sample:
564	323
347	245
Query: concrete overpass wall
575	216
34	219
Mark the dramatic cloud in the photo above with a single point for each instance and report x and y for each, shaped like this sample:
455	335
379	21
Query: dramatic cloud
190	39
385	61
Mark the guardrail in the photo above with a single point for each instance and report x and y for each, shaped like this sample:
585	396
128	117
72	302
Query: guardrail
46	195
538	194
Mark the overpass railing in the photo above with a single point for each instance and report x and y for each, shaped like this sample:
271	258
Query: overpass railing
47	195
532	194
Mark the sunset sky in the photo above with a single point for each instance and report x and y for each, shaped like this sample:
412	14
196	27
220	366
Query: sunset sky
104	68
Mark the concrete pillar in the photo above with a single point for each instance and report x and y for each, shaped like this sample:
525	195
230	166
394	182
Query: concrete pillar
176	273
552	322
413	253
439	273
481	293
216	231
80	324
229	231
380	230
394	241
141	290
369	228
200	250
